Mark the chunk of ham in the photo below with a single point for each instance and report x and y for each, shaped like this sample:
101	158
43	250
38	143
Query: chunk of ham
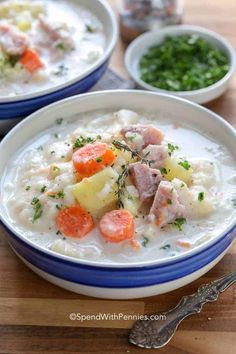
141	136
145	179
166	206
13	43
156	154
55	34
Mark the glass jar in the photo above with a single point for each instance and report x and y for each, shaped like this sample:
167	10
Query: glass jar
138	16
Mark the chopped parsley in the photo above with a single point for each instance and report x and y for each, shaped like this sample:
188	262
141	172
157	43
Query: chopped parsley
56	135
55	168
40	148
185	164
234	202
99	137
163	171
43	189
27	188
59	233
179	222
61	46
165	247
172	148
201	196
59	121
99	159
59	195
183	63
145	241
52	152
81	141
90	29
37	207
169	201
61	70
58	206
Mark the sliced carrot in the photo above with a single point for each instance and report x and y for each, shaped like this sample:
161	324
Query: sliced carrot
117	225
31	60
74	221
92	158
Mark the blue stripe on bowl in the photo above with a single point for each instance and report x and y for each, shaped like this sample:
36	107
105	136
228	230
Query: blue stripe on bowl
21	109
129	277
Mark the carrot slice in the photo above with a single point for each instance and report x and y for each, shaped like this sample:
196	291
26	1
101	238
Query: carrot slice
30	60
74	221
92	158
117	225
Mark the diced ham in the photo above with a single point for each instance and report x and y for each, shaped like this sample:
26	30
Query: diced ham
142	135
12	41
166	205
145	179
156	154
59	36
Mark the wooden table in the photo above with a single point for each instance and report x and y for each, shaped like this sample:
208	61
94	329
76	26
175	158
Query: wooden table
34	313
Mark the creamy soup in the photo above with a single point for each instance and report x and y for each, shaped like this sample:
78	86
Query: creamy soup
45	43
120	187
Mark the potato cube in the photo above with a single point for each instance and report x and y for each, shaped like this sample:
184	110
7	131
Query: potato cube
97	194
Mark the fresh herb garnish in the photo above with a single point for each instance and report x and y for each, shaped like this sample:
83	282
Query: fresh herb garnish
27	188
81	141
169	201
62	70
179	222
185	164
163	171
90	29
58	206
40	148
134	153
59	121
37	207
59	195
61	46
56	135
52	152
165	247
234	202
121	185
171	148
201	196
145	241
99	159
183	63
59	233
43	189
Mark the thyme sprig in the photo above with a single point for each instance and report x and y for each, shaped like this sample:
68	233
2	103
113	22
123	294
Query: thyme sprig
134	153
121	185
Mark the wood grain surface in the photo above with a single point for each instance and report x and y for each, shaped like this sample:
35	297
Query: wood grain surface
34	314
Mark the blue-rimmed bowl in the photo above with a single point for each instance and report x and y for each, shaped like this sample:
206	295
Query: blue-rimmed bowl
113	280
14	109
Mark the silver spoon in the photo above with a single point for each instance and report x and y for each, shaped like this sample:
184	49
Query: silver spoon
156	333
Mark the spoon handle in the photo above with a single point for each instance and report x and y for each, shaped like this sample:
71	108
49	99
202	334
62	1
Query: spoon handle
151	333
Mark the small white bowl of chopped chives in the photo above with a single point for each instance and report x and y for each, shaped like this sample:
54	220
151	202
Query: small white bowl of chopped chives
187	61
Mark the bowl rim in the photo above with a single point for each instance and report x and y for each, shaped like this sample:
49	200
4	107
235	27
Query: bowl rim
175	29
101	264
107	53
